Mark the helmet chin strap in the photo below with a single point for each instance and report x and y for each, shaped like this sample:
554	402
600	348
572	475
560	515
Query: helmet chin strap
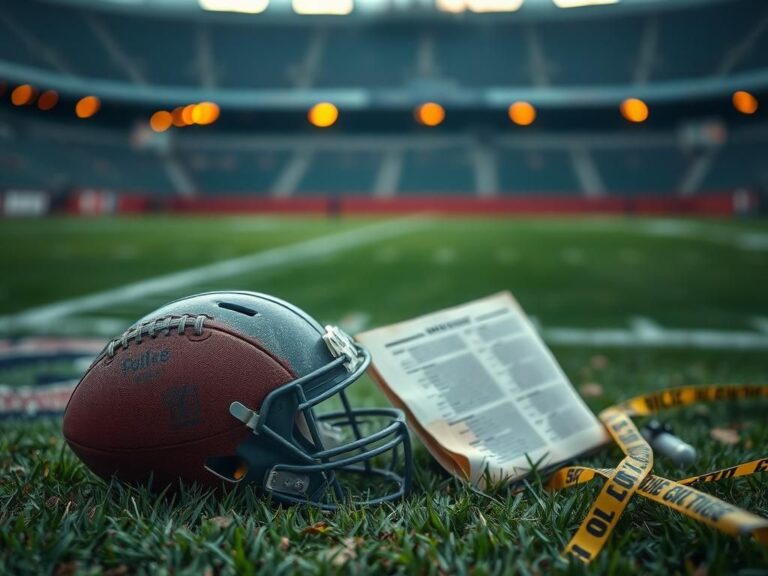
330	435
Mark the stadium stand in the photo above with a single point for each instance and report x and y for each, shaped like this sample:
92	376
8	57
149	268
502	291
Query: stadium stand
71	37
340	172
747	159
501	48
568	48
245	57
375	57
536	171
641	170
235	172
440	171
391	64
696	44
170	59
683	43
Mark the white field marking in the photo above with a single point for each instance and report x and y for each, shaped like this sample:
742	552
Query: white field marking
573	256
655	336
645	327
310	249
757	241
93	326
444	256
761	323
752	241
670	228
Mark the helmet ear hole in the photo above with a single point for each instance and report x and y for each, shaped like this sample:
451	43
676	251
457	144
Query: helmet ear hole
228	468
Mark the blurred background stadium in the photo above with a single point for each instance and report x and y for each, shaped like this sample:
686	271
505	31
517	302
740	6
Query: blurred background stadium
285	146
383	105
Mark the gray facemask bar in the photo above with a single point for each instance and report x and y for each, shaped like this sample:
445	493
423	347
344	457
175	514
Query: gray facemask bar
303	394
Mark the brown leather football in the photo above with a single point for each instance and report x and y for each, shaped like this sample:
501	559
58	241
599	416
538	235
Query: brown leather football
223	386
160	404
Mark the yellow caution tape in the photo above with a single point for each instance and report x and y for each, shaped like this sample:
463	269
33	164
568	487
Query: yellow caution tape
633	474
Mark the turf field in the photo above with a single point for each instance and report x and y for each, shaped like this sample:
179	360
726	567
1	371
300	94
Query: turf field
630	305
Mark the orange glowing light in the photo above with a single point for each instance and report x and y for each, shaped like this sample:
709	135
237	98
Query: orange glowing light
430	114
177	117
634	110
205	113
745	102
23	95
186	114
160	121
323	115
522	113
48	100
87	107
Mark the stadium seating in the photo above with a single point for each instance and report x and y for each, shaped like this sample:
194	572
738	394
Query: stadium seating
439	167
246	56
232	172
695	43
440	171
340	172
536	172
69	37
58	164
571	57
641	170
376	57
170	59
482	55
745	159
582	50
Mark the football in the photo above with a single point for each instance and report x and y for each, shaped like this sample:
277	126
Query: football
155	403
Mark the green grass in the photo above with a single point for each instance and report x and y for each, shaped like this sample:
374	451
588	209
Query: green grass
56	517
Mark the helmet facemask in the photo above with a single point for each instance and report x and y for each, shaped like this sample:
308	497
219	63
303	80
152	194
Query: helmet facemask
359	456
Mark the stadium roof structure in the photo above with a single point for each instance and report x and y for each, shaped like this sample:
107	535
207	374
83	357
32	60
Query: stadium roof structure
381	8
659	51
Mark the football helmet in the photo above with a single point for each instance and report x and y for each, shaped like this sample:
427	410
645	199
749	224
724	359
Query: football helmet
231	382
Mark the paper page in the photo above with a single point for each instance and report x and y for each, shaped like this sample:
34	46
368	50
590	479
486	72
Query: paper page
482	390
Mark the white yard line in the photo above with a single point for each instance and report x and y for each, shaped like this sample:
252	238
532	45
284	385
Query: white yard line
698	230
272	258
658	338
761	323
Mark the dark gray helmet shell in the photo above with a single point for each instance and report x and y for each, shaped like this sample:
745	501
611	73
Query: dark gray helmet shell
292	465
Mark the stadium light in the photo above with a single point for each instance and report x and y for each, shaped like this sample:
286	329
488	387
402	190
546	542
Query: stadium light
87	107
522	113
239	6
430	114
205	113
744	102
479	6
161	121
177	116
634	110
582	3
331	7
23	95
323	115
48	100
186	114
